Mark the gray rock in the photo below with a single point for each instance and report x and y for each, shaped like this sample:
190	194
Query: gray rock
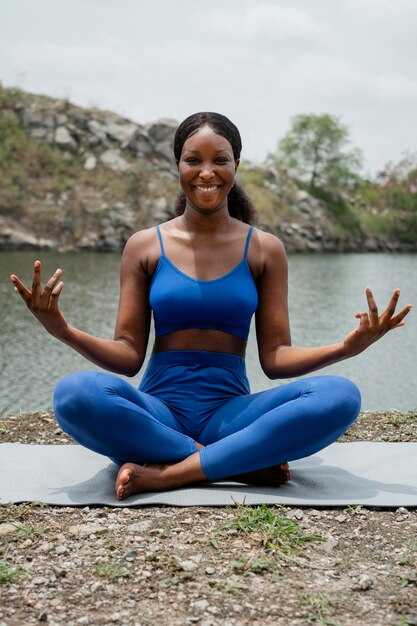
7	529
90	162
115	161
121	132
41	134
64	139
85	530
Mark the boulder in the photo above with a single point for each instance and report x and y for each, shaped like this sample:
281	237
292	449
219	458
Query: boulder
64	139
115	161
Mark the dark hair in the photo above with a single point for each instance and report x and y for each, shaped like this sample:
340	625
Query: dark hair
239	204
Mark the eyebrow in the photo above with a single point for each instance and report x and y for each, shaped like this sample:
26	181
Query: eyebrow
221	150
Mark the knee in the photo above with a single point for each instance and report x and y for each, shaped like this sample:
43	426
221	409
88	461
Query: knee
345	399
72	397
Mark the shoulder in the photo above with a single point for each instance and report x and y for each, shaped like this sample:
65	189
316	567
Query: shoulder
268	249
142	250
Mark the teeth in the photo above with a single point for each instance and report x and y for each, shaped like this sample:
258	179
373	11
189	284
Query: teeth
206	189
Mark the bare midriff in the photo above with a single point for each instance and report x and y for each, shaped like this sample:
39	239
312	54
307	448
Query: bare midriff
201	339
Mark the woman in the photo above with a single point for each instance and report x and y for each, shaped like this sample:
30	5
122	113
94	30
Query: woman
204	274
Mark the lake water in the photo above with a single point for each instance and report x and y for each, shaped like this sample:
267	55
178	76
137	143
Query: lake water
325	293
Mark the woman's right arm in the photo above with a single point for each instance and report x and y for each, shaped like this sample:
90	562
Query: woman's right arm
126	352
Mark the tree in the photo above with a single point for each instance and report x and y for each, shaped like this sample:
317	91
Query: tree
313	150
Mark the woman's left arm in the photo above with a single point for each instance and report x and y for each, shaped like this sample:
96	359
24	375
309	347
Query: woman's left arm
278	358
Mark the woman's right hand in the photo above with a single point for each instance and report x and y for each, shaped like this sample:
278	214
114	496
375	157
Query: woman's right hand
43	302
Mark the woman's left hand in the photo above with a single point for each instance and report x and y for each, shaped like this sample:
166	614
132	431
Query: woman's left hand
373	326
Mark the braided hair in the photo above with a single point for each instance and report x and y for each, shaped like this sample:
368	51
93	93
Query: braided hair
239	204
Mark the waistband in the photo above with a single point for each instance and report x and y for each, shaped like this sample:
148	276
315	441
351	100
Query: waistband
199	357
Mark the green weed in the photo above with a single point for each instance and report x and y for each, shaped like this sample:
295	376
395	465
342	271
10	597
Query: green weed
8	573
280	534
353	508
112	570
318	608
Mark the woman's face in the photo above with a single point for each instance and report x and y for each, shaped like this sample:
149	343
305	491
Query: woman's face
207	169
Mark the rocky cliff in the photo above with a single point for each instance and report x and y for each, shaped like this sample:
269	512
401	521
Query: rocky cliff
78	179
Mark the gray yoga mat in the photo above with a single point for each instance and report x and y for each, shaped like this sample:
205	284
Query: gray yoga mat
367	473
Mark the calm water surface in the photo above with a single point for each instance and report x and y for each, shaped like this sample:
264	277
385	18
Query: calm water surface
325	293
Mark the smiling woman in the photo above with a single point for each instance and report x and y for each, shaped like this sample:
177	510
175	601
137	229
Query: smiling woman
203	275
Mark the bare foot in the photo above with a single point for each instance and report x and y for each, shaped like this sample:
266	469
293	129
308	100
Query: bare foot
270	476
133	478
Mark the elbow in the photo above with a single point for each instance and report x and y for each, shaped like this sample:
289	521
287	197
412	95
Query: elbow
131	372
273	368
270	370
272	374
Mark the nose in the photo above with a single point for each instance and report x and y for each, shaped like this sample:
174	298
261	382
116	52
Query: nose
206	172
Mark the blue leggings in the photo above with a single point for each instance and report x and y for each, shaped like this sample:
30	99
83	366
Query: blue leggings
188	396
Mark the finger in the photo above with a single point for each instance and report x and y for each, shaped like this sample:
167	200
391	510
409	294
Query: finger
390	310
397	320
364	320
50	285
20	288
53	302
36	286
373	309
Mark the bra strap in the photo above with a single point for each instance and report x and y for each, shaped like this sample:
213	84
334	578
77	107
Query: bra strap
245	256
160	240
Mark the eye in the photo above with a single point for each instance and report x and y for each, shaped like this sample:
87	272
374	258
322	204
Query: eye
191	160
222	160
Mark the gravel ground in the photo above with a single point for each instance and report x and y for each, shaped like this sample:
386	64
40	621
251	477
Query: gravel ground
208	566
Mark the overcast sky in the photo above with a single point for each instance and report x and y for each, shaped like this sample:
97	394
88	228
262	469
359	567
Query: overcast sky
257	61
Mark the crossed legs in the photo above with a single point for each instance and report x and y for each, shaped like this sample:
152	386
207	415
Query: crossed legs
246	434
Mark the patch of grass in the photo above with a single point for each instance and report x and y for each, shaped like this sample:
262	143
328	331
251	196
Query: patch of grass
318	608
280	534
408	553
169	581
353	508
111	570
260	565
223	586
406	621
408	579
7	572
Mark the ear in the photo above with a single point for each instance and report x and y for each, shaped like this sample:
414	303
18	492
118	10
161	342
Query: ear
237	164
178	164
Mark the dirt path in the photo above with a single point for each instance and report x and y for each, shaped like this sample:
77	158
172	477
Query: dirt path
208	566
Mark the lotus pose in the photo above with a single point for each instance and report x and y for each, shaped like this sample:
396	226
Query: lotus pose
203	275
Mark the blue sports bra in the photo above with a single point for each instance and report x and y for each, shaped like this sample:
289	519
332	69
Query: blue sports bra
179	301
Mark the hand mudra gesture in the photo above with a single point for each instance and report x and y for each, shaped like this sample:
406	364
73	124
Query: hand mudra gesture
372	325
43	301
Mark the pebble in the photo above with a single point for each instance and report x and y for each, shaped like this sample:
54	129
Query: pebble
363	583
199	605
7	529
85	530
210	570
188	566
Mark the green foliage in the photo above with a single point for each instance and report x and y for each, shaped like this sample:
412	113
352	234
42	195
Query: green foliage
340	208
112	570
318	608
314	151
9	98
280	534
8	573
